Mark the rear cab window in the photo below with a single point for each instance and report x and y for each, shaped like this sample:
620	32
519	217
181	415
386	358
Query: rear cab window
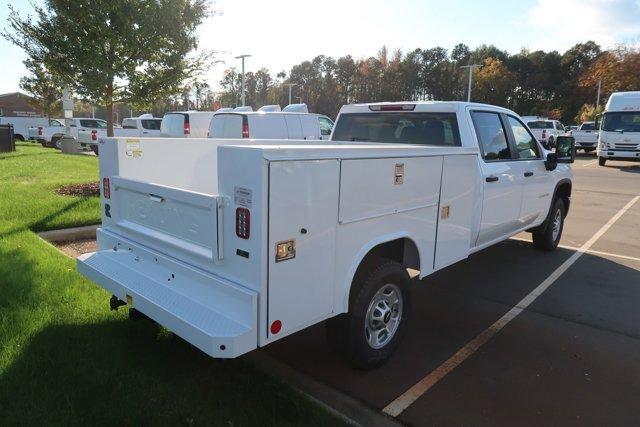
173	124
93	123
151	124
437	129
540	124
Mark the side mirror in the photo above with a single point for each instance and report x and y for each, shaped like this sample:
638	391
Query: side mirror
551	162
565	149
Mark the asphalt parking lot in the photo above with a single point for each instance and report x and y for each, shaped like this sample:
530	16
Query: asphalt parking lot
513	335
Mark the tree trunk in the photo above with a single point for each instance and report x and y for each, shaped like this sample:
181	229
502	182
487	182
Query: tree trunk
109	105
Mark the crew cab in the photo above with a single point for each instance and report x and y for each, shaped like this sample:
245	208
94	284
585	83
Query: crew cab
586	136
144	125
49	136
619	136
547	131
234	245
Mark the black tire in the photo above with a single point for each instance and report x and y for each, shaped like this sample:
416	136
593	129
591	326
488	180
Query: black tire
95	149
548	238
551	142
52	143
602	161
589	150
347	333
19	137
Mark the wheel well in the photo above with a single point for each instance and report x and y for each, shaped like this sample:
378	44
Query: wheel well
19	137
564	192
402	250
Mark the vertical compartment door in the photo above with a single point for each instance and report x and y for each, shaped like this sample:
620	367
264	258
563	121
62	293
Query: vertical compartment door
303	216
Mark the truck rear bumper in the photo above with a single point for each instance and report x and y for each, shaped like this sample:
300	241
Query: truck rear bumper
619	154
215	315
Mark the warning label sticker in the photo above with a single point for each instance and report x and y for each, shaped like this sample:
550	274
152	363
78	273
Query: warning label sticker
133	148
242	197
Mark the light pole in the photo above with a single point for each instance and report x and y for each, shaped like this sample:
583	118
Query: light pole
290	86
598	96
243	83
471	68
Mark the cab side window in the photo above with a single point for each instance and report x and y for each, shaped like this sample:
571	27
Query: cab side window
491	135
525	143
326	126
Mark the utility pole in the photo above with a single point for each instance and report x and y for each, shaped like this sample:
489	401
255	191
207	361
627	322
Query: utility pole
598	97
290	86
471	68
242	57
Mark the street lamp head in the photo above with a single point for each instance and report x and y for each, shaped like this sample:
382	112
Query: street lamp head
242	56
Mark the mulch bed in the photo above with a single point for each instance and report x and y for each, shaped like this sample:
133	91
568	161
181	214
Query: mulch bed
89	189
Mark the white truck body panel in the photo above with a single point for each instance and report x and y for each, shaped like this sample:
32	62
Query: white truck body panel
619	134
21	125
268	125
172	243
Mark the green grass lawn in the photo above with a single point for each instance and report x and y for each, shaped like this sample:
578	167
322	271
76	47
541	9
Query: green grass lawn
66	359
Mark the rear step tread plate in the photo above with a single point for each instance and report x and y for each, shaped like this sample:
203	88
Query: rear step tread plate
206	328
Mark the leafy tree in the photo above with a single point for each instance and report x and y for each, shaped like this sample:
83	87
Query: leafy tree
127	51
45	89
494	83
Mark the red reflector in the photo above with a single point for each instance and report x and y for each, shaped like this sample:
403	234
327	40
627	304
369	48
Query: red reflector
392	107
187	128
243	223
106	188
40	130
245	130
276	326
94	135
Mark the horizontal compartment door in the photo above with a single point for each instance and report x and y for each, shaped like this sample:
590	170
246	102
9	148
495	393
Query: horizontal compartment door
177	222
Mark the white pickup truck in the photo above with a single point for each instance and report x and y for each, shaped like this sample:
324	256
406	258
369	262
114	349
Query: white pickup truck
234	245
49	136
145	125
547	131
586	137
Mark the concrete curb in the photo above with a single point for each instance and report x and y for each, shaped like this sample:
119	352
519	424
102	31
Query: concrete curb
345	407
75	233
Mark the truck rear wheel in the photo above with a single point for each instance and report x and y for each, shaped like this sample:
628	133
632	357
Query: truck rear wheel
548	238
95	149
602	161
377	319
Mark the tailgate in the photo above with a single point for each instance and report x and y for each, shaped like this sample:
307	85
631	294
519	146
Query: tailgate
180	223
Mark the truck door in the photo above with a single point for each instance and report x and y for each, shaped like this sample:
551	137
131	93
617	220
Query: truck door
310	127
294	128
536	191
502	195
303	216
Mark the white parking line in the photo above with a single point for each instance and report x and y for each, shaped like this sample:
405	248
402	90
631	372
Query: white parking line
590	251
590	163
396	407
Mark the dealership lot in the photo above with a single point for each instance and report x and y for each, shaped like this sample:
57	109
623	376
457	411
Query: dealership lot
567	355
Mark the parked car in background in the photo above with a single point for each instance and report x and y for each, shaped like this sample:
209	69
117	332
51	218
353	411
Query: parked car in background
571	128
21	125
49	136
145	125
586	137
619	135
547	131
270	125
186	124
33	131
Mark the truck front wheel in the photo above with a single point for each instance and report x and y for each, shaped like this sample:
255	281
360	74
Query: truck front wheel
548	238
379	308
602	161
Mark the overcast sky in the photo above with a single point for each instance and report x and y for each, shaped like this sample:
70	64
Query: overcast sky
281	33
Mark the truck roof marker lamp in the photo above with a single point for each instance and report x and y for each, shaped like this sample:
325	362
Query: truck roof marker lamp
392	107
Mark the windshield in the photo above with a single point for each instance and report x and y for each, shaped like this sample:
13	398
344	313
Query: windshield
588	126
621	122
540	125
93	123
399	128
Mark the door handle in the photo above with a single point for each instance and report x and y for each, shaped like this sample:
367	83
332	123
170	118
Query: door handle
491	178
528	174
155	198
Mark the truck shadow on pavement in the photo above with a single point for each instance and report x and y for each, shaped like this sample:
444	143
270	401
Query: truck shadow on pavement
453	306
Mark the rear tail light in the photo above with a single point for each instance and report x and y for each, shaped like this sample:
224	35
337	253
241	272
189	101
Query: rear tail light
243	223
392	107
245	130
94	135
106	188
187	128
40	130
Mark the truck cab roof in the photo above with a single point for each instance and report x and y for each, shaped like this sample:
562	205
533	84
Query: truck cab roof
418	106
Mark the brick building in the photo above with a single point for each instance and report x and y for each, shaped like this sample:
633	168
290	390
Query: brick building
17	104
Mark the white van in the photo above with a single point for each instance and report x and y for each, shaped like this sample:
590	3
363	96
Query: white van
619	136
186	124
21	125
270	125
